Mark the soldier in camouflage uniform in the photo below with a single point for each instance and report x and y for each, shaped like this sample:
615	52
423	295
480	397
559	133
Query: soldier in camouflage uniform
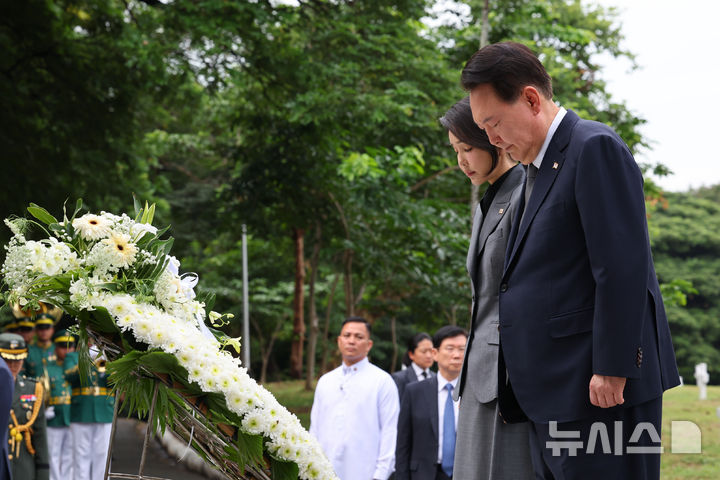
60	441
91	415
27	441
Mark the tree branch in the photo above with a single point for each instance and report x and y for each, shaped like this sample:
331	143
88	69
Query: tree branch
433	177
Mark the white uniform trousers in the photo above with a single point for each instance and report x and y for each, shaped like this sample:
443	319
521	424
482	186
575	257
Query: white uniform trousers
60	449
91	442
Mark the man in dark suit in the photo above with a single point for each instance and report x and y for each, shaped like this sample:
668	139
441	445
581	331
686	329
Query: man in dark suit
583	332
428	414
7	385
419	353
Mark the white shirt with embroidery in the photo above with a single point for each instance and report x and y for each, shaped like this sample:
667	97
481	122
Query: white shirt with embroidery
354	417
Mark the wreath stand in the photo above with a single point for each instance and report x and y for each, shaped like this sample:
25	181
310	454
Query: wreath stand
190	424
148	436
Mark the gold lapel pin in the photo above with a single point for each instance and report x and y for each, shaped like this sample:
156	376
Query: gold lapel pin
501	211
555	165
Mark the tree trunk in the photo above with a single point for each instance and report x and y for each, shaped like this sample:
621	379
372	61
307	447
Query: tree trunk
349	297
326	327
314	323
296	348
266	350
347	261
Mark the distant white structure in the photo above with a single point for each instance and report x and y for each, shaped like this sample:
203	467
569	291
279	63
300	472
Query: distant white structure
702	377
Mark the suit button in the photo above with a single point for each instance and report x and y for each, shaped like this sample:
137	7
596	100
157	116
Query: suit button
503	287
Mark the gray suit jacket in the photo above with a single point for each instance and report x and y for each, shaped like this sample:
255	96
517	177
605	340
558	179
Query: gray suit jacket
485	262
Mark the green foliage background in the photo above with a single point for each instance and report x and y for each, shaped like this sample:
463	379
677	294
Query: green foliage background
320	118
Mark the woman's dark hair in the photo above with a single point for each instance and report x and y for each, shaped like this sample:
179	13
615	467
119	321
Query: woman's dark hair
459	121
415	340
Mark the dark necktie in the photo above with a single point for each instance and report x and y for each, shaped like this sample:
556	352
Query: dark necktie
424	375
448	448
529	184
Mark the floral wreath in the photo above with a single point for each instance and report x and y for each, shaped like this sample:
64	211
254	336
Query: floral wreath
116	276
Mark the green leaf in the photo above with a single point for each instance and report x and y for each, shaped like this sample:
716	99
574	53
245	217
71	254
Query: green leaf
282	470
161	362
41	214
137	206
148	214
101	321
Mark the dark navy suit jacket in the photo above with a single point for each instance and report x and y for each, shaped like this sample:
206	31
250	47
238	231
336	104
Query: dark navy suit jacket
417	442
405	377
579	294
7	387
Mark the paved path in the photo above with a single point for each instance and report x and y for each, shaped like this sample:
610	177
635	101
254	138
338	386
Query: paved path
127	450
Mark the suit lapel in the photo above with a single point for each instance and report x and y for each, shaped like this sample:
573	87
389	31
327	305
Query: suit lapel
551	165
498	208
431	400
483	227
473	249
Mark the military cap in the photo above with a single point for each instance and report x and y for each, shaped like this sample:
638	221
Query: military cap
12	346
10	326
63	338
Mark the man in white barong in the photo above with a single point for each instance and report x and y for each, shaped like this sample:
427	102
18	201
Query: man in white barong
355	410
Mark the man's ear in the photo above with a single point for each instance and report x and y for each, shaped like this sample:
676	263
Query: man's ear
370	344
531	97
434	354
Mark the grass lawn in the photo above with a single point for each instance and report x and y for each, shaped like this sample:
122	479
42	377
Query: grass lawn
680	405
293	396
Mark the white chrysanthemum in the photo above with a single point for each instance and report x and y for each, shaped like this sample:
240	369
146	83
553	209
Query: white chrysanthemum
143	329
254	422
218	371
239	402
120	306
92	227
126	321
140	229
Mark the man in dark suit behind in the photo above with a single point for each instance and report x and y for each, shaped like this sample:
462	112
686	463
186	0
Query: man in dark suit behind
7	386
428	415
583	331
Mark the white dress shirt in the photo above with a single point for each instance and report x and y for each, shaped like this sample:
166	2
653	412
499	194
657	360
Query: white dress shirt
419	372
354	417
551	131
442	398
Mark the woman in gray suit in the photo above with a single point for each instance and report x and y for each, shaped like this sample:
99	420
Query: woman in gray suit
486	446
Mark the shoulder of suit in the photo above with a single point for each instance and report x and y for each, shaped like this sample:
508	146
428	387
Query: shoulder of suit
429	383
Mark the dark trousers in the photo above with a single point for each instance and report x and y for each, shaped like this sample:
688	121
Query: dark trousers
440	475
617	443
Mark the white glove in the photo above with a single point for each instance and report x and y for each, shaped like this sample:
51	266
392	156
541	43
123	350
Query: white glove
49	413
